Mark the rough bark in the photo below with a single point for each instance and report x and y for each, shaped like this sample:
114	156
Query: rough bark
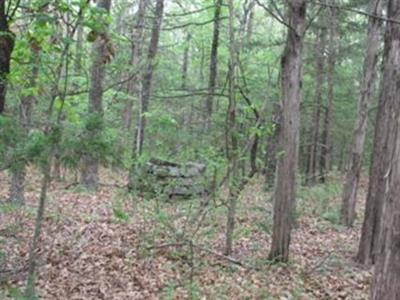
373	209
90	163
144	98
6	48
315	124
231	135
135	61
284	196
213	62
366	94
326	143
386	279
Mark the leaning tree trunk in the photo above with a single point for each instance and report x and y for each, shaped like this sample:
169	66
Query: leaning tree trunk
326	150
284	197
90	163
144	98
213	63
353	174
386	280
6	48
18	171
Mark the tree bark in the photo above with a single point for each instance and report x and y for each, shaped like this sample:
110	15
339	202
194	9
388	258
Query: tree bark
6	48
144	98
315	124
367	90
386	279
377	181
284	196
249	30
213	63
135	61
231	135
90	163
326	144
78	55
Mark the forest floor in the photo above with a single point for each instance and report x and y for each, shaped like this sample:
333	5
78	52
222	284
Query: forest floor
111	245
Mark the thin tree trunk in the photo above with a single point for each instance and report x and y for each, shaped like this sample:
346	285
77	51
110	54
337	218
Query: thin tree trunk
6	48
30	287
353	174
185	63
213	63
202	59
326	151
78	55
232	146
315	125
136	56
249	31
386	279
272	147
145	92
18	172
90	163
284	197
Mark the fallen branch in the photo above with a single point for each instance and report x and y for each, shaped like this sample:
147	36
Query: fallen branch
308	272
209	251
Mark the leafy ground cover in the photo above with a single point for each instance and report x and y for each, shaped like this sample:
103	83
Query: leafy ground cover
112	245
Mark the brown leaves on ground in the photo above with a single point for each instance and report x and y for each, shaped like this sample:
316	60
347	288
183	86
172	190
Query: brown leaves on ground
88	252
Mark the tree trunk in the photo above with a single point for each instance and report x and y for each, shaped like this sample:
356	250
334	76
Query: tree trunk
136	56
90	163
145	91
284	197
79	50
272	145
30	286
6	48
231	135
18	172
249	30
213	63
315	124
386	279
185	63
353	174
326	144
377	183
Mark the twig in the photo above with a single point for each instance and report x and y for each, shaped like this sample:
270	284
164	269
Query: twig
308	272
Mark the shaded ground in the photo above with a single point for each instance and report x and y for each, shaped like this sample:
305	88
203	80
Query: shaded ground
115	246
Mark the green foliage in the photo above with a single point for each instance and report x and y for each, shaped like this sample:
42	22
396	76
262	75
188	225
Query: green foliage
324	201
